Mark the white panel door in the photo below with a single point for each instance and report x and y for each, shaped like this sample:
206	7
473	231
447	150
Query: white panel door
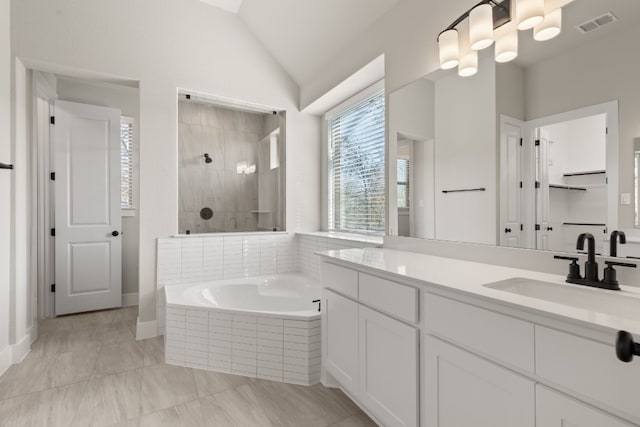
87	208
340	321
543	223
510	182
557	410
388	369
465	390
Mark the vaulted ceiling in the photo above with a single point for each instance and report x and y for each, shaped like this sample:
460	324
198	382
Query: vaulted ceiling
303	35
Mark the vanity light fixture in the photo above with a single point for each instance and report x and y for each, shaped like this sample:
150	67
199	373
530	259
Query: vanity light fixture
468	64
530	13
481	27
449	51
460	46
550	27
507	47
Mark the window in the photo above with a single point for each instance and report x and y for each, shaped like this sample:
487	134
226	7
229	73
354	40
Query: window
126	163
356	167
403	183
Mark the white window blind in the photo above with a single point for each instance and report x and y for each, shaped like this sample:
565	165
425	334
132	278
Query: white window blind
126	163
356	167
403	182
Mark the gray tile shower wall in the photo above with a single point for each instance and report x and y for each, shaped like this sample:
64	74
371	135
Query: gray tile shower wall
229	138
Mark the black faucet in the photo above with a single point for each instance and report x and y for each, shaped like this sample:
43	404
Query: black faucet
591	266
613	242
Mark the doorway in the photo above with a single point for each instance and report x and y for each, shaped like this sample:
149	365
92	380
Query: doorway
85	141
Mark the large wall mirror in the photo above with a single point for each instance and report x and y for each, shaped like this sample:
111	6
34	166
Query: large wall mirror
230	166
528	153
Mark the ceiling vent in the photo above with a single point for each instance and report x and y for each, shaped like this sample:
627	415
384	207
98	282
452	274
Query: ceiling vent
596	23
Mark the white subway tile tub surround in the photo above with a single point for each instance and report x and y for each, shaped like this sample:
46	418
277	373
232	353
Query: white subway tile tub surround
191	259
263	346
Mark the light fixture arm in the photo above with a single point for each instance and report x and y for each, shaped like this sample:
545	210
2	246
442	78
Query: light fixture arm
502	18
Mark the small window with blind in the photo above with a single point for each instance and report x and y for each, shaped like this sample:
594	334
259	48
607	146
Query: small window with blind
356	167
403	182
126	163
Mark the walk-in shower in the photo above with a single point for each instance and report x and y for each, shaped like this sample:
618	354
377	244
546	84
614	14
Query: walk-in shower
231	167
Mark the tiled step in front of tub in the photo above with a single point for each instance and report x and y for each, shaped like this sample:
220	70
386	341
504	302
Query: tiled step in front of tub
263	347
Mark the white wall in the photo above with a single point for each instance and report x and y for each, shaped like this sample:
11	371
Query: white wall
600	72
466	156
166	45
127	100
5	183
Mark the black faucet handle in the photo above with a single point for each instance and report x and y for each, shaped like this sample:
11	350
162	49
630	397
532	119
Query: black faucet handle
626	348
567	258
620	264
574	268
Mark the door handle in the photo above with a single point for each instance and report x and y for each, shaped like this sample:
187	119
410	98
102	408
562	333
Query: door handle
507	230
115	233
549	228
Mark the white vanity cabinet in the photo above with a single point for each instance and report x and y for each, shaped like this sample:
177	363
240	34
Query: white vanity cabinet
388	382
429	356
372	355
341	339
463	389
554	409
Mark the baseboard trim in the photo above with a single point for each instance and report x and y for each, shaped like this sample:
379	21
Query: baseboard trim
146	330
129	299
20	349
5	359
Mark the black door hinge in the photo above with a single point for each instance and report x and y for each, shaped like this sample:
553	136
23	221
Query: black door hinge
520	142
52	120
520	184
537	227
52	175
537	184
537	142
53	232
53	287
521	227
606	130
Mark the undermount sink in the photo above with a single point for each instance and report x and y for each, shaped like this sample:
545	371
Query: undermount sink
616	303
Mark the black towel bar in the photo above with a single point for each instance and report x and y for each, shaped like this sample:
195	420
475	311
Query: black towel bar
464	190
5	166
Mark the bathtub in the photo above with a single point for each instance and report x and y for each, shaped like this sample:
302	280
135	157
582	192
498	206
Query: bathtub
266	327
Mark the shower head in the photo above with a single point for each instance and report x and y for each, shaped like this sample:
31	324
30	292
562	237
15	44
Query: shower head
207	159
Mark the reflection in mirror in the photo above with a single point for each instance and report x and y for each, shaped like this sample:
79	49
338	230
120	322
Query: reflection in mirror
231	174
548	136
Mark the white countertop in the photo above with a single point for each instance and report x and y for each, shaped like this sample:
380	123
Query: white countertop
469	277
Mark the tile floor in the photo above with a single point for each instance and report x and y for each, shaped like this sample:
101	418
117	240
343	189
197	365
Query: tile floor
88	370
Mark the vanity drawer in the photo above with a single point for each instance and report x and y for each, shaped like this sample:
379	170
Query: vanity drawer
398	300
589	369
340	279
499	337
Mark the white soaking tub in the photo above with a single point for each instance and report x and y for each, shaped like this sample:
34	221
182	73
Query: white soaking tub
266	327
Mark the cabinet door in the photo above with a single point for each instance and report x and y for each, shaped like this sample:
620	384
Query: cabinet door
388	369
465	390
556	410
340	320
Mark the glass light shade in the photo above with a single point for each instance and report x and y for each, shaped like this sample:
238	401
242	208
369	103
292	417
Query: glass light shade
507	47
449	50
550	27
530	13
481	27
468	64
